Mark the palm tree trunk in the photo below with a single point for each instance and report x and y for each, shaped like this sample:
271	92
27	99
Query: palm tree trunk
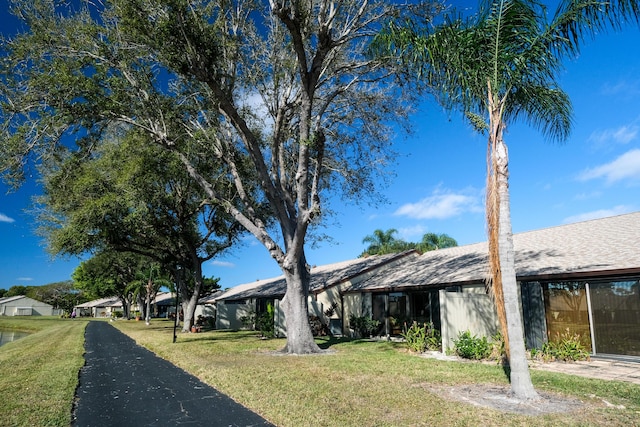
504	285
521	384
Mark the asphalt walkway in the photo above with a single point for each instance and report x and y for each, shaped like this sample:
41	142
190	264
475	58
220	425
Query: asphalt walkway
125	384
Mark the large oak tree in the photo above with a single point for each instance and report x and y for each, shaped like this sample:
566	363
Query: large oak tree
278	91
126	195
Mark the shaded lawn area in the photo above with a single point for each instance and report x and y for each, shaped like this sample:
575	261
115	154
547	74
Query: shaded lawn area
367	383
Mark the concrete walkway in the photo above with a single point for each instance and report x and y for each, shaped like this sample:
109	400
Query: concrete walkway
604	369
125	384
597	367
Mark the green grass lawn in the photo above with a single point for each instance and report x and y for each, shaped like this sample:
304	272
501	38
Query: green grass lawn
360	383
39	373
366	383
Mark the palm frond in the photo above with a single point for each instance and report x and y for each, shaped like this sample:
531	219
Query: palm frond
575	21
545	108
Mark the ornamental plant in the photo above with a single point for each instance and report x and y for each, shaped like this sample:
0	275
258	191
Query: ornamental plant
420	338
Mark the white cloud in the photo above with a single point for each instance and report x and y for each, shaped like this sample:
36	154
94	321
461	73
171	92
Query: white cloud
4	218
408	233
627	166
587	196
602	213
25	279
441	205
622	87
621	135
225	264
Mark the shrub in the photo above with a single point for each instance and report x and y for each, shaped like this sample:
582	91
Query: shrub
364	326
330	311
206	322
421	338
318	327
265	323
470	346
249	321
565	347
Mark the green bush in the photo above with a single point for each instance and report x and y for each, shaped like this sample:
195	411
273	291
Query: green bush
265	322
566	347
249	321
363	325
421	338
470	346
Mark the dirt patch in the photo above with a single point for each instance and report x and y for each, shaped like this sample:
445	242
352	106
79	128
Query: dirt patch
502	399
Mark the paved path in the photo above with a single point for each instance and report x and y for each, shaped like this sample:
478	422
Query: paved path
600	368
125	384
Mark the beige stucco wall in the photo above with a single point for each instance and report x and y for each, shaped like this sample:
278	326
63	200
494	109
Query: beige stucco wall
229	315
461	311
357	304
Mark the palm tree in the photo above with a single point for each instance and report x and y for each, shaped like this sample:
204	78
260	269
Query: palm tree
383	242
497	66
433	241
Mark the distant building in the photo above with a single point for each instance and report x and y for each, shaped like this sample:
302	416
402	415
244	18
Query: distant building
161	306
24	306
102	307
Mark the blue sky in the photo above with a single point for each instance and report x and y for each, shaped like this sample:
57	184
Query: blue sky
440	174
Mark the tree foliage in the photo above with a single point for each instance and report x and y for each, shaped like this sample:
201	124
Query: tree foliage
384	242
279	92
109	274
130	196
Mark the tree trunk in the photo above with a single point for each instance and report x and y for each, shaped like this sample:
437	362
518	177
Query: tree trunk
521	384
189	303
125	308
147	308
140	301
190	297
296	309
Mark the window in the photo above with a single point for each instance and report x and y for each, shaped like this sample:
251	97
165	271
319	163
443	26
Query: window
566	310
616	316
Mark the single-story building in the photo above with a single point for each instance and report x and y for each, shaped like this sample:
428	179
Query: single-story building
101	307
21	305
162	306
327	281
582	277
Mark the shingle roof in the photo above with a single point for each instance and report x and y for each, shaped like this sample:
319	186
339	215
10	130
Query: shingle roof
164	298
9	299
101	302
597	247
321	277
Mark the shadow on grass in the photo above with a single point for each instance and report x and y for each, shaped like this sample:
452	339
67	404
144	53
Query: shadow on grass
216	335
234	335
327	342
